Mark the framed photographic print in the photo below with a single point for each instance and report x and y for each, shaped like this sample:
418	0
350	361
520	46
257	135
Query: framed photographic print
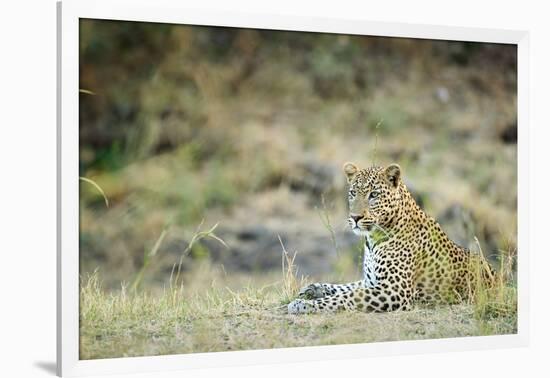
284	188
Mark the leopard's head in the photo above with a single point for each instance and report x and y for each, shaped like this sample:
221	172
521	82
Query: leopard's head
374	196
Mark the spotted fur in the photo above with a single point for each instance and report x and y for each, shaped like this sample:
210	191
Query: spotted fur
408	257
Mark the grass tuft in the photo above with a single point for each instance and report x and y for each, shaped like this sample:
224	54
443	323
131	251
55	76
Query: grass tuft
493	294
290	283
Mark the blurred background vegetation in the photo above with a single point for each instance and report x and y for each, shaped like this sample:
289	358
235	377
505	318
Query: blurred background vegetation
248	129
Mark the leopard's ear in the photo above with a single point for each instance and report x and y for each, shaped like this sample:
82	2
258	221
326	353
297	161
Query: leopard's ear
393	174
350	170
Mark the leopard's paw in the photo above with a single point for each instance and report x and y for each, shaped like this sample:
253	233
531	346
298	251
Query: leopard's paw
312	291
300	306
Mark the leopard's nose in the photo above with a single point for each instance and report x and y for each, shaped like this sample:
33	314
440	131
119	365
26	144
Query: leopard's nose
356	218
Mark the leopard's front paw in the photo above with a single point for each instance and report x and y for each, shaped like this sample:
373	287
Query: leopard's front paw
312	291
300	306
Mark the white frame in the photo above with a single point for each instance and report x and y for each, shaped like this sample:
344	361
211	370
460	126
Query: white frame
167	11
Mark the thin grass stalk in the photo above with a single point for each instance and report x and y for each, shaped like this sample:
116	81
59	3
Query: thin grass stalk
147	259
98	188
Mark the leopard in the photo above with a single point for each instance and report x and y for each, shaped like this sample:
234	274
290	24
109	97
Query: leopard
407	257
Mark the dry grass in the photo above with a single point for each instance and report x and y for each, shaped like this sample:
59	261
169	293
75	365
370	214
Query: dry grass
495	298
99	189
290	284
218	318
175	280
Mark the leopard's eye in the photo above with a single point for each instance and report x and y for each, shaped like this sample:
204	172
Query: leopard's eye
374	194
352	193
